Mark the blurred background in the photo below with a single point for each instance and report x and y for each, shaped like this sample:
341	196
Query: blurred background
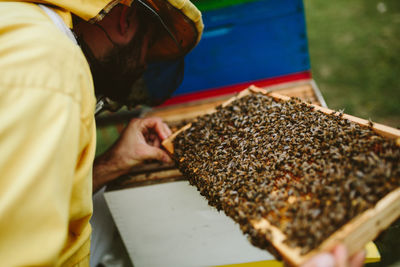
354	50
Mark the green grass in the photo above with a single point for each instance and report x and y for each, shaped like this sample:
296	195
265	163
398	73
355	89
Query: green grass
355	56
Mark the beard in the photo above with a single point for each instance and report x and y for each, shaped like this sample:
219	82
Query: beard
115	73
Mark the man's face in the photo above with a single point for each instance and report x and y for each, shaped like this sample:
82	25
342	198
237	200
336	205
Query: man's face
118	70
115	71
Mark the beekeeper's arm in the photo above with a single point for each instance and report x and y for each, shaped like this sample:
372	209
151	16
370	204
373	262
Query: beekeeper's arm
140	140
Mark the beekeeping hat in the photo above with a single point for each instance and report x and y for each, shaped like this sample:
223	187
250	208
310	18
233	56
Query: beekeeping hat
179	29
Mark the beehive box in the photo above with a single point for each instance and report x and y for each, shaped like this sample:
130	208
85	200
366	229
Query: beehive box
246	41
354	234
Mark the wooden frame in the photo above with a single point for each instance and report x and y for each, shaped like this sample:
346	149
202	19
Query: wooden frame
357	232
306	90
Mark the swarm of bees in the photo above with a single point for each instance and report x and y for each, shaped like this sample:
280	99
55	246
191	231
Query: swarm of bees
306	172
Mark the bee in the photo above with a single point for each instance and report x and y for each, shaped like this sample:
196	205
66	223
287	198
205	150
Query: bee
370	123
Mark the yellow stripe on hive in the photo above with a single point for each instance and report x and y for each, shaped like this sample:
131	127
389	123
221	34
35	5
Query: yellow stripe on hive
373	255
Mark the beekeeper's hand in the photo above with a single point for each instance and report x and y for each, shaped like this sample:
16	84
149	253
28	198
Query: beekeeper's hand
140	140
337	258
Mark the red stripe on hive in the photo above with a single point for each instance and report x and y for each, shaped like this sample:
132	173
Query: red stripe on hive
230	89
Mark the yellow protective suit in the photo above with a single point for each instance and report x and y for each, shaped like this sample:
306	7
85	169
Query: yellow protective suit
47	142
47	135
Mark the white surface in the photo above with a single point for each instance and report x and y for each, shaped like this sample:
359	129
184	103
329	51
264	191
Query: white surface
171	224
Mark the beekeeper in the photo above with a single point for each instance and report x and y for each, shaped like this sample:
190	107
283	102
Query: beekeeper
56	58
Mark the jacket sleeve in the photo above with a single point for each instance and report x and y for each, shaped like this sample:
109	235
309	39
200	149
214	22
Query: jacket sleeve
39	143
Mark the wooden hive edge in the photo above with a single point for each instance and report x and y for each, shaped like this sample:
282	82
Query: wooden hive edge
354	234
168	143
